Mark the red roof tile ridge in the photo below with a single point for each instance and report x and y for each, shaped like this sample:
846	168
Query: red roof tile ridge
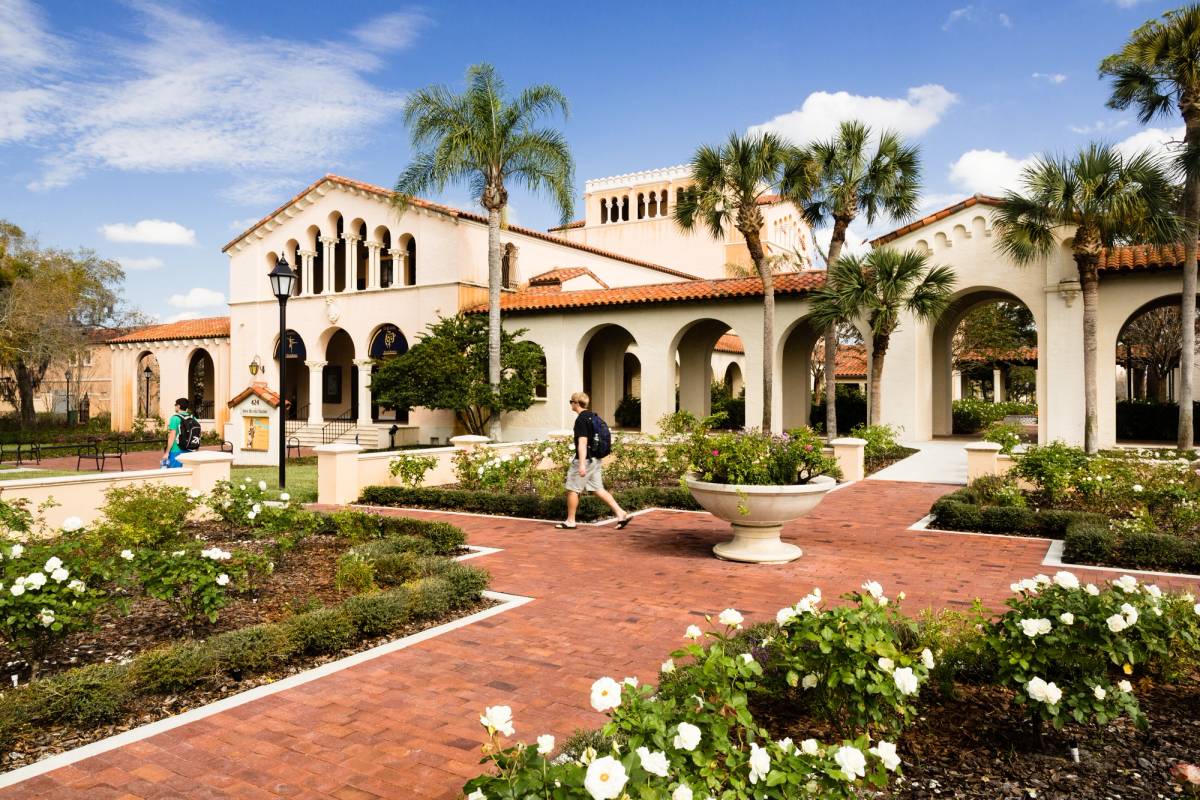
200	328
929	219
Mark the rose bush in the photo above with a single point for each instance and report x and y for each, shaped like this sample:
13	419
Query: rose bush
755	458
197	582
410	469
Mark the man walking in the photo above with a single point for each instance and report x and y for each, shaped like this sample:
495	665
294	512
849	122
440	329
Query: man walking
183	434
583	473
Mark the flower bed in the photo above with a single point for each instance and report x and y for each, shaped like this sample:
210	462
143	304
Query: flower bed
1129	509
156	609
837	702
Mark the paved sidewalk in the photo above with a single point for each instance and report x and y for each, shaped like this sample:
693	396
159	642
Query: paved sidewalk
939	461
607	602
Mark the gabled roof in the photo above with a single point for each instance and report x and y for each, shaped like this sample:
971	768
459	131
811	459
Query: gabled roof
557	277
730	343
978	199
851	361
259	389
203	328
579	223
790	283
469	216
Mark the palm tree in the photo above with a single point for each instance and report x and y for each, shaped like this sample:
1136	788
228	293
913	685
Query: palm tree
728	183
834	181
879	286
1107	199
1158	71
483	137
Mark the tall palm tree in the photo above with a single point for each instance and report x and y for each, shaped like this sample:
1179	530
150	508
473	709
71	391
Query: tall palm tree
728	182
1158	71
835	180
1107	199
483	137
879	286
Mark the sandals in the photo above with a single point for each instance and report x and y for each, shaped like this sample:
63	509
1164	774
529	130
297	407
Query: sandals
562	526
622	523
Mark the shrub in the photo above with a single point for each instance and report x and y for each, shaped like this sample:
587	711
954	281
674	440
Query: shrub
851	661
1052	468
16	520
251	650
379	613
757	458
628	413
731	410
196	582
851	409
355	572
145	515
357	526
971	414
636	462
445	538
174	668
91	695
1006	435
529	506
409	469
250	505
466	583
326	630
484	468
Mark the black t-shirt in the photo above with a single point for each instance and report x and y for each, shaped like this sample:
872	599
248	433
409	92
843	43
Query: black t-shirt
583	429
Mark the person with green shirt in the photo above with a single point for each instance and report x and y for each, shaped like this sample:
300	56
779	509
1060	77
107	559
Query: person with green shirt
178	434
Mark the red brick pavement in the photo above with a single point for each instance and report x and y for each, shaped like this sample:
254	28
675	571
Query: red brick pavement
607	602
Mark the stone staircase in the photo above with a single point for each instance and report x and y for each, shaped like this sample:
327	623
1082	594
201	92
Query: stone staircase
367	436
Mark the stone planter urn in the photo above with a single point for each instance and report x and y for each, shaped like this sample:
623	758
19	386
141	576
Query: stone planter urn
756	534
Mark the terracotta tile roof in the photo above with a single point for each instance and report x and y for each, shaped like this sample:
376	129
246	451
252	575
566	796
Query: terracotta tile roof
458	214
997	354
259	389
1141	258
579	223
792	283
204	328
557	277
984	199
730	343
851	361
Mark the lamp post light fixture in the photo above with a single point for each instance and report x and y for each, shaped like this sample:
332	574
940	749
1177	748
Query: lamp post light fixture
282	280
67	375
147	373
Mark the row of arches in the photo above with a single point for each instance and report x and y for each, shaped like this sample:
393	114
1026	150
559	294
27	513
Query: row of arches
350	257
200	391
647	205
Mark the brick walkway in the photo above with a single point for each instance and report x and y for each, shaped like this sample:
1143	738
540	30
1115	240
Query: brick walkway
606	603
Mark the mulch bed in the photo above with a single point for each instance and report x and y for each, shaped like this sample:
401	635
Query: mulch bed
977	746
873	465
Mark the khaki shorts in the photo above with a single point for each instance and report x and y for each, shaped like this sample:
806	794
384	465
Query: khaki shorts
584	483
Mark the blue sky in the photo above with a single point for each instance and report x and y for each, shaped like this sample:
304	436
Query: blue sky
153	132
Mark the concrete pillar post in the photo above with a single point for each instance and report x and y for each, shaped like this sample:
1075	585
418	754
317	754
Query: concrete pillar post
365	365
316	379
956	385
373	251
997	385
337	473
695	377
306	270
327	259
658	383
208	467
399	261
352	241
982	460
851	457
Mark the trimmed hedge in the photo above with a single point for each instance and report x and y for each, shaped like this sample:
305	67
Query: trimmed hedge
590	508
103	693
360	526
1087	538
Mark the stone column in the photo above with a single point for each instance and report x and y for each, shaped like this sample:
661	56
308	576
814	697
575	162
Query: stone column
365	365
956	385
327	258
316	378
306	270
373	251
352	241
997	385
398	259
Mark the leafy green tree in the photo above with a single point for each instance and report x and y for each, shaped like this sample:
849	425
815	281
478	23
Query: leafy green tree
880	286
1098	198
835	180
1157	71
729	181
447	368
482	137
993	333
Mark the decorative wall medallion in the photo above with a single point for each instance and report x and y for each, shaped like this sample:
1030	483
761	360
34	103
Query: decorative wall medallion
332	312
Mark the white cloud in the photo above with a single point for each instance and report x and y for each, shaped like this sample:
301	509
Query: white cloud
149	231
1050	77
391	32
976	14
1100	127
261	191
140	264
1161	141
1126	3
936	201
26	45
191	95
197	298
988	171
818	117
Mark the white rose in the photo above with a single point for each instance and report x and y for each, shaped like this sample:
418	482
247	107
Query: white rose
668	666
1043	692
77	586
1131	613
1116	623
606	694
905	681
1125	686
1126	583
1099	692
927	658
693	632
747	658
256	508
1035	627
53	563
127	555
1066	580
262	486
1042	580
886	751
810	747
251	514
760	763
1092	589
477	795
284	496
886	664
1196	608
784	614
1152	590
545	744
653	762
16	551
1066	618
71	524
46	617
1137	487
222	579
605	778
810	681
194	493
37	580
631	682
497	718
682	792
851	761
17	589
687	736
731	618
787	745
59	575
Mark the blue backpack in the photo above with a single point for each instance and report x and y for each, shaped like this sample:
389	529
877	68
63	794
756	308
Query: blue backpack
600	444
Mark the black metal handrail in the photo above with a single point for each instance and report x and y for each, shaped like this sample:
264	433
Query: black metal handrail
338	426
297	420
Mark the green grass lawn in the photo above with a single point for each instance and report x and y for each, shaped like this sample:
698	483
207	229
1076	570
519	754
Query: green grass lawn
301	477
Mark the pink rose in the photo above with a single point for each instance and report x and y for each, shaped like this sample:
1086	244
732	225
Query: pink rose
1186	773
716	452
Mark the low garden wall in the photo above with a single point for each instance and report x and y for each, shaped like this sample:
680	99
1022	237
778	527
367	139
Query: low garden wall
82	495
985	458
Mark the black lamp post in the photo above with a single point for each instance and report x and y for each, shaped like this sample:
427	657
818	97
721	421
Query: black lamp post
282	280
147	373
68	377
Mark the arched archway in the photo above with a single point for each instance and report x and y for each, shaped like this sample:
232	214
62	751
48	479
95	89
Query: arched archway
1149	346
361	255
509	276
339	252
388	341
339	377
693	349
602	355
201	384
317	279
148	386
968	365
794	373
733	379
297	393
383	238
